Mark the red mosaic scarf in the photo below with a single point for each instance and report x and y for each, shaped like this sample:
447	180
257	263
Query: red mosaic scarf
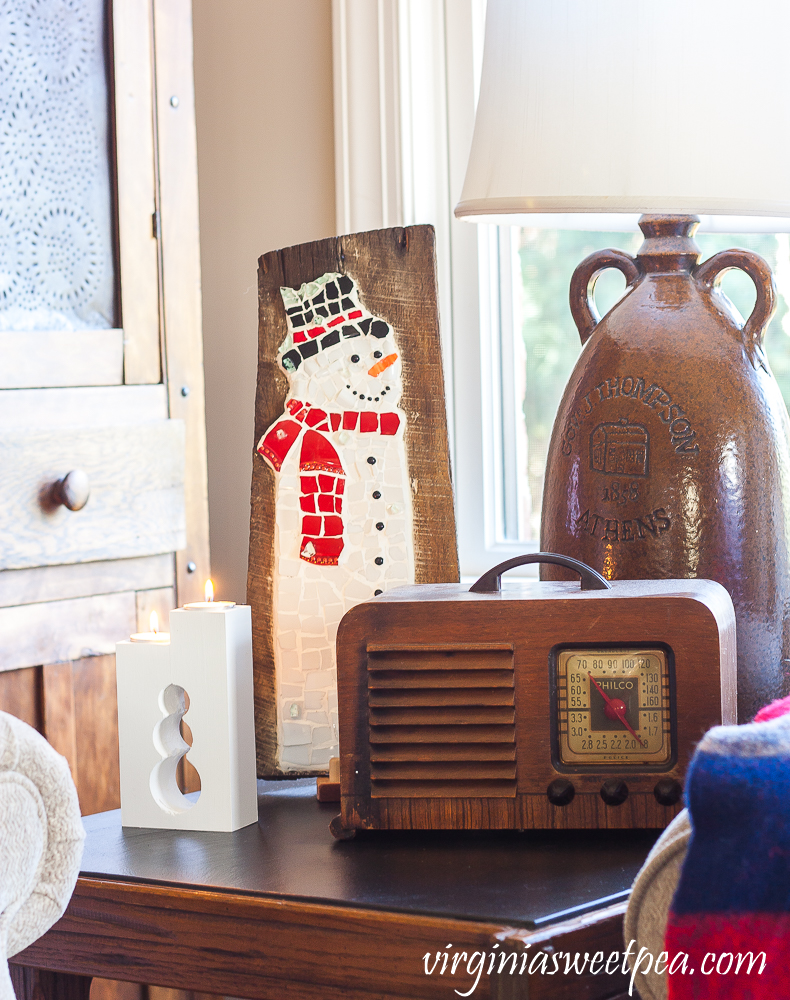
321	498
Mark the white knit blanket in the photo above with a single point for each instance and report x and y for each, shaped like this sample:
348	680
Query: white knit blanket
41	839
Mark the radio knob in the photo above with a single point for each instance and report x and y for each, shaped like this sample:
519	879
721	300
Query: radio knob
667	792
614	792
560	792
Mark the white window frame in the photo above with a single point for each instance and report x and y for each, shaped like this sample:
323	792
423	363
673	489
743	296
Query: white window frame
405	88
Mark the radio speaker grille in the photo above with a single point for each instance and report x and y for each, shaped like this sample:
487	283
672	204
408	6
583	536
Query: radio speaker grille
442	721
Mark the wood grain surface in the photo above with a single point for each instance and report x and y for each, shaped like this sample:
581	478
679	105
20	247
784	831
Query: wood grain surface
84	406
73	705
395	272
136	504
182	313
37	984
81	722
37	359
59	583
162	601
136	189
60	714
267	949
21	695
599	932
31	634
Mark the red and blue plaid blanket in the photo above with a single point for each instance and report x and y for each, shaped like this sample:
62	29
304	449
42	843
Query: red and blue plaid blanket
731	912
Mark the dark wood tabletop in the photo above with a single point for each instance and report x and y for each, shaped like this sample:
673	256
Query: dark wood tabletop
282	909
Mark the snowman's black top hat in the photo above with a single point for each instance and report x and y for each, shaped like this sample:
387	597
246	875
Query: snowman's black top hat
321	313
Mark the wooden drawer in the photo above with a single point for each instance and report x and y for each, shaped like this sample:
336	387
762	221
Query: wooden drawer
136	504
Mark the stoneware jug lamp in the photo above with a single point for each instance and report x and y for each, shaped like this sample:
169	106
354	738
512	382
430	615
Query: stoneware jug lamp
678	111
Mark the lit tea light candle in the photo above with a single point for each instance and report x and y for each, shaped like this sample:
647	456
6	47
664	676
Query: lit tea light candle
210	604
154	635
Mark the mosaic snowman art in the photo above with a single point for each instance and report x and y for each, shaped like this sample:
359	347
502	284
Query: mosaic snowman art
343	514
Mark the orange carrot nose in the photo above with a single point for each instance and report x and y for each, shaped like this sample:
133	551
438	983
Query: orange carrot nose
383	365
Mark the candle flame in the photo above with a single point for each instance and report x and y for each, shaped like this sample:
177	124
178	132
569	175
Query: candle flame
209	590
154	622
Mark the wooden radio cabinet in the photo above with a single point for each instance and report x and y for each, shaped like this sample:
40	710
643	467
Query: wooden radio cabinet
542	705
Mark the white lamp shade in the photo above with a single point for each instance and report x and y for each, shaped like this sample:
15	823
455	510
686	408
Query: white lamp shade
629	106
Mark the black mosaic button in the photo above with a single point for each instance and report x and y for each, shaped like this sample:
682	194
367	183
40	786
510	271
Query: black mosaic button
377	592
379	560
376	495
380	526
371	460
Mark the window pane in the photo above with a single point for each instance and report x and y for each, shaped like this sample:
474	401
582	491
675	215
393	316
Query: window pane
549	342
56	245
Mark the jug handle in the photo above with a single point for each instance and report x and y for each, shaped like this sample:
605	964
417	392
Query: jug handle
709	275
583	310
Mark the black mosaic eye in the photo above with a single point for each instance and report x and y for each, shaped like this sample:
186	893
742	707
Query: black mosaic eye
377	354
354	358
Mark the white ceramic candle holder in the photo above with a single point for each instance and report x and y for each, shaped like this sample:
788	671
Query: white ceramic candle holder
209	659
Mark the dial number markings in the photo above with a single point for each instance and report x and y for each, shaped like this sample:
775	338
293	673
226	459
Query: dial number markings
613	707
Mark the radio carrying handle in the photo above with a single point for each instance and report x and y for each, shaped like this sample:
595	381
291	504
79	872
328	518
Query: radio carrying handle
491	582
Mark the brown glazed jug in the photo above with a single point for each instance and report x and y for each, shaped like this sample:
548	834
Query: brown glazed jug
669	455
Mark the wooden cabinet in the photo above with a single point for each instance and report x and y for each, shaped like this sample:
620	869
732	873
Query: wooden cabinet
119	397
121	400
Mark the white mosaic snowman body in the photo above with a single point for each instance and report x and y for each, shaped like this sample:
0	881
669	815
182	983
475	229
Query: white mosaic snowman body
343	500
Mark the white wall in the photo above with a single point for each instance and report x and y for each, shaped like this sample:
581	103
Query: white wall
263	87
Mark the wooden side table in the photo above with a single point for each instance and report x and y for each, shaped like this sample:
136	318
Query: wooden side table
281	910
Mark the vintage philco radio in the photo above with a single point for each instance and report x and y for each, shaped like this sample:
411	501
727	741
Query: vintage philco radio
538	705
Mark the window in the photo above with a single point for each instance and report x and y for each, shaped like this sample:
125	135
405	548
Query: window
404	115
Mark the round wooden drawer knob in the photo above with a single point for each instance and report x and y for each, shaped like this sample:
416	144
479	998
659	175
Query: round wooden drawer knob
73	490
